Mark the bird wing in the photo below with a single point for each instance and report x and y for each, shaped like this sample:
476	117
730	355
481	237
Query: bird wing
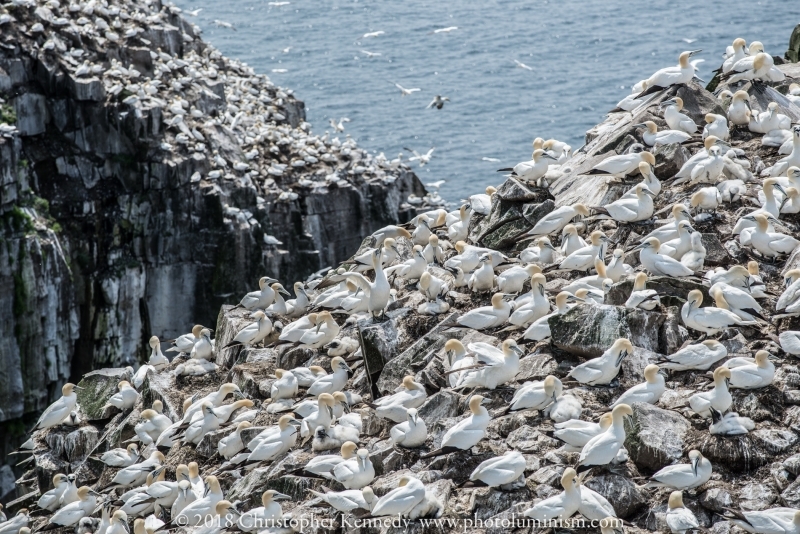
486	353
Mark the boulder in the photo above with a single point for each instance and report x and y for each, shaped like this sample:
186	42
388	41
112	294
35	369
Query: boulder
669	160
775	440
737	452
656	437
623	494
96	388
791	495
716	253
79	443
487	502
208	445
380	343
443	404
717	500
664	285
757	496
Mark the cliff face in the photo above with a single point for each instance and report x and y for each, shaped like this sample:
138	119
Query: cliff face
144	177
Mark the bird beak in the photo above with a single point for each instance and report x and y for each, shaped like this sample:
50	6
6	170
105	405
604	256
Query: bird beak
573	297
780	188
280	497
486	401
621	356
551	247
638	247
414	418
508	297
695	52
648	193
284	292
518	350
549	156
640	125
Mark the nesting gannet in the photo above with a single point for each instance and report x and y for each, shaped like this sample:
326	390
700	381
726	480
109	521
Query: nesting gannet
584	258
232	444
653	137
216	398
482	279
770	244
536	307
273	441
730	424
640	297
594	506
682	73
658	264
736	300
349	500
622	164
603	448
792	160
124	398
263	516
772	521
676	248
680	519
196	512
51	500
260	299
17	524
356	472
495	367
466	433
322	416
482	202
208	422
401	500
557	219
185	497
759	66
253	332
700	356
754	374
789	300
433	252
540	328
542	252
325	331
70	514
709	320
561	506
769	120
716	125
734	53
121	457
617	268
501	470
603	369
570	240
669	230
739	111
332	382
136	474
487	316
285	386
536	395
378	291
564	406
512	280
649	391
59	411
633	101
706	198
718	397
423	231
532	170
457	358
675	119
755	281
394	407
157	360
576	433
683	476
293	332
411	433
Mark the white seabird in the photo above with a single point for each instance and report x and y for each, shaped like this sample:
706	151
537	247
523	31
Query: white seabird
649	391
751	374
641	297
59	411
658	264
561	506
708	320
394	407
603	369
718	398
466	433
501	470
683	476
411	433
680	519
729	424
653	137
603	448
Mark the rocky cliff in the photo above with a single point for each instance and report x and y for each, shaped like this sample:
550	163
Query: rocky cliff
137	164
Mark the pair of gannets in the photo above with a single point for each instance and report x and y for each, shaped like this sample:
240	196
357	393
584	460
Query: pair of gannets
708	320
540	328
394	407
769	244
63	493
669	230
495	367
542	251
409	499
575	498
349	500
686	170
769	120
659	264
751	373
60	410
584	258
536	307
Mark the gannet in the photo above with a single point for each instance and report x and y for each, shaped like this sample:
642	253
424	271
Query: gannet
459	230
700	356
386	232
675	119
769	120
533	169
394	407
278	305
50	500
683	476
680	519
755	282
542	252
411	433
761	68
770	244
377	291
594	506
70	514
682	73
789	300
570	240
512	280
196	512
792	160
457	358
708	320
495	367
653	137
737	300
482	279
772	521
363	262
707	169
736	276
718	398
564	407
422	158
356	472
770	205
232	444
203	349
209	422
676	248
253	332
273	441
501	470
630	209
260	299
561	506
293	332
57	412
157	360
285	386
739	111
621	165
17	524
650	181
716	125
349	500
584	258
658	264
557	219
486	317
669	230
537	307
423	232
482	202
603	369
536	395
647	299
632	101
540	328
124	398
325	331
466	433
332	382
706	198
136	474
185	497
751	374
322	416
576	433
308	375
603	448
216	398
734	53
433	252
649	391
121	457
263	516
729	424
401	500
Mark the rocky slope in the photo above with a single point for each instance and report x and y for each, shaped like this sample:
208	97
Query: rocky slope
136	163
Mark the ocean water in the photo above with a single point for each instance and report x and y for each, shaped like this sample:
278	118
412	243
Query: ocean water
581	58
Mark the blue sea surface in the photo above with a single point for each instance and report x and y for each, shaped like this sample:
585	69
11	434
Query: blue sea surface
581	58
